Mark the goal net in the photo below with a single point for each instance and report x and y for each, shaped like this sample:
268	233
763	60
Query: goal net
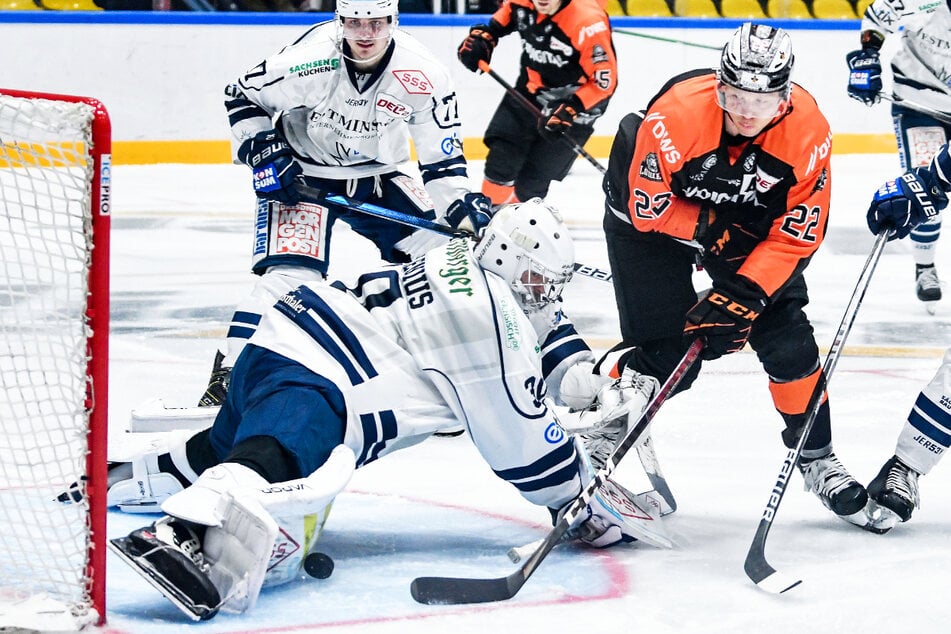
54	326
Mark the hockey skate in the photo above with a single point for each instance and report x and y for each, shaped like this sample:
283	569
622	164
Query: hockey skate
927	286
615	515
842	494
217	388
168	555
895	489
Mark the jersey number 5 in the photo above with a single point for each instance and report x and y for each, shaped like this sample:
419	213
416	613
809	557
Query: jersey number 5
801	223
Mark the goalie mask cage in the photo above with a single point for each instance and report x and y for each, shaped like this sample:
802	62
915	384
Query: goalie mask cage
55	158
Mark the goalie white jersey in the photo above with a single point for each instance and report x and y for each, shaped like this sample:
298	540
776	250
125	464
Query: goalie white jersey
922	65
427	345
344	124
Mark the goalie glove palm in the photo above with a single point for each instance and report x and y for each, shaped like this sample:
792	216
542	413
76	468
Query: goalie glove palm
723	321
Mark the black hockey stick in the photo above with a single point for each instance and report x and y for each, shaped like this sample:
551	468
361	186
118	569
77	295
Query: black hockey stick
531	107
756	566
455	590
337	200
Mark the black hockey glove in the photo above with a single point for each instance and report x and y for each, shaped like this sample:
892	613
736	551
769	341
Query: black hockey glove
273	165
558	117
865	69
471	213
903	203
723	321
477	47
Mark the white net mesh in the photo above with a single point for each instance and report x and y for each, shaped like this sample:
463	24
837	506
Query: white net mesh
45	247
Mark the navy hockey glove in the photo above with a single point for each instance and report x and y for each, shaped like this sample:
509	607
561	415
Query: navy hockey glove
558	117
477	47
470	213
903	203
274	167
723	321
865	69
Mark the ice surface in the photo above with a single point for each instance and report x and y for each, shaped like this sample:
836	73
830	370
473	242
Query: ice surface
180	252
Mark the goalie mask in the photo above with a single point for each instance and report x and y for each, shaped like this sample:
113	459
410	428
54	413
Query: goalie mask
755	70
371	22
527	244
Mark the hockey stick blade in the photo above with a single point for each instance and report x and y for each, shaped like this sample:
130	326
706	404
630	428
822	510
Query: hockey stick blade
460	590
757	568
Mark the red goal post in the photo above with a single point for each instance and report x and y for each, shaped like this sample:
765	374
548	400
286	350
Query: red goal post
55	173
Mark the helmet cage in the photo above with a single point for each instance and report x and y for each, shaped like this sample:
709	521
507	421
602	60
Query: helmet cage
535	285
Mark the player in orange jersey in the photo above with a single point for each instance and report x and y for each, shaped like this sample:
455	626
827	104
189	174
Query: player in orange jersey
568	71
729	169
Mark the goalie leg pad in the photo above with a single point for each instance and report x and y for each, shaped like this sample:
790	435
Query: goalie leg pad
617	515
239	550
145	491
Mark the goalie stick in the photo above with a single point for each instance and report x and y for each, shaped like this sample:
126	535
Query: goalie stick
456	590
369	209
756	566
531	107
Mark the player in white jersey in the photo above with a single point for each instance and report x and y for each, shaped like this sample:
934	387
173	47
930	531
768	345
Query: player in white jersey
337	108
899	205
921	69
339	375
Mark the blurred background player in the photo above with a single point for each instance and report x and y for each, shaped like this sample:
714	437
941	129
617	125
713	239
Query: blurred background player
568	69
920	67
729	168
337	376
338	108
915	198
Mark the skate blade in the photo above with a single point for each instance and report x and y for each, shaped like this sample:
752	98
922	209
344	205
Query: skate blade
931	307
148	572
873	518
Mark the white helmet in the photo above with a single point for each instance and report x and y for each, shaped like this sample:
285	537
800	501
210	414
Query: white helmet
367	9
527	244
758	58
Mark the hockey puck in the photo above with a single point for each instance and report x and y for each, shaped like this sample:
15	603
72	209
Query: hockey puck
318	565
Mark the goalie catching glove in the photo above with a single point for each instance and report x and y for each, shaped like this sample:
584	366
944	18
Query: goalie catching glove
723	319
905	202
274	167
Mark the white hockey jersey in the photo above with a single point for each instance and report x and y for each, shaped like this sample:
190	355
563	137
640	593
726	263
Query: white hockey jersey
922	65
422	347
343	124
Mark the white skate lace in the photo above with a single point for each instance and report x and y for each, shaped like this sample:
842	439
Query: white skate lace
826	476
903	482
